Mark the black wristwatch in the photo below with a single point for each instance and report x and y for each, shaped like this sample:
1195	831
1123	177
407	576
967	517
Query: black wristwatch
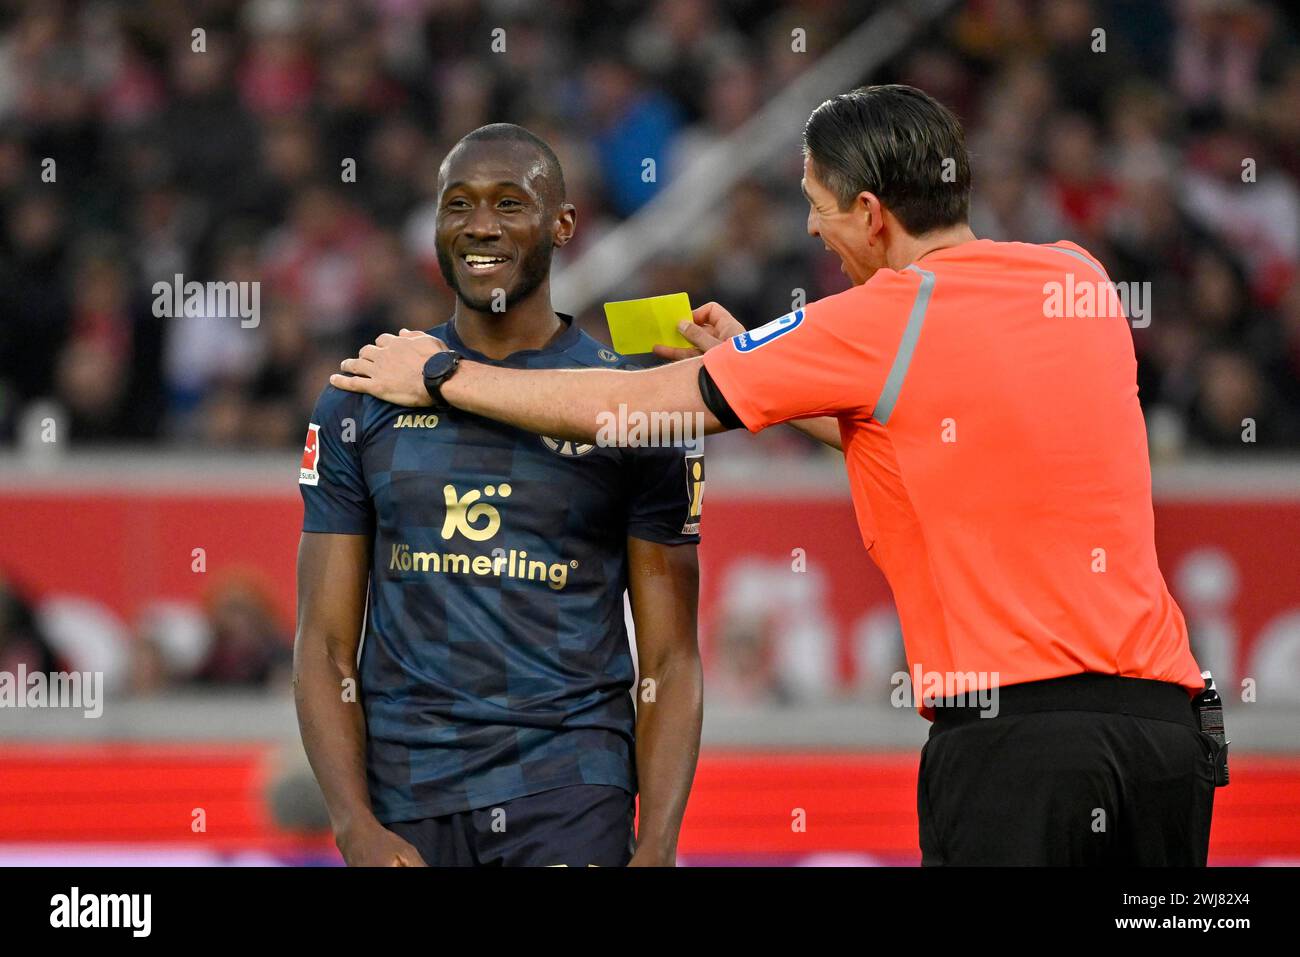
438	369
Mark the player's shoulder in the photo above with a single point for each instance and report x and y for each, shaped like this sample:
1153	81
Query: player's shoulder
334	403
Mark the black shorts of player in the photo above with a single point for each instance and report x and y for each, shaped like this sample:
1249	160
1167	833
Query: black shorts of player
579	826
1084	770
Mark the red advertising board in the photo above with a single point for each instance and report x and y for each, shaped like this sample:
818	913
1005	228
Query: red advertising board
791	606
58	802
789	595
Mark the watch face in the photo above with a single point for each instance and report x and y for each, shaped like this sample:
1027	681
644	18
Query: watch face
438	363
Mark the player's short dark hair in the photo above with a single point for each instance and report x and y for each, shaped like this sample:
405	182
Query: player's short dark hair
899	143
511	133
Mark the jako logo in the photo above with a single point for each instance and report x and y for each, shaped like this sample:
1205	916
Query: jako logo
464	512
416	422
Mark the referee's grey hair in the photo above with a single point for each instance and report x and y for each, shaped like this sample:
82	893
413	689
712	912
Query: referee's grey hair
899	143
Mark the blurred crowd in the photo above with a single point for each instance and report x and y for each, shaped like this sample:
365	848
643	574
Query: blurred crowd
231	639
1163	136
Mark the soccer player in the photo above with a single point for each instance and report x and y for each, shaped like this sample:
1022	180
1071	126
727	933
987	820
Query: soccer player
998	463
490	719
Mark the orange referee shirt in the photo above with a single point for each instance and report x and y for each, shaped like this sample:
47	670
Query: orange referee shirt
997	456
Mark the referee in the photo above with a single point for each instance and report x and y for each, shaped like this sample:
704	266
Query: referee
998	462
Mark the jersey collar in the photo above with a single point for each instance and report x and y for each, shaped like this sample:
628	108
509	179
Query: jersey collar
564	341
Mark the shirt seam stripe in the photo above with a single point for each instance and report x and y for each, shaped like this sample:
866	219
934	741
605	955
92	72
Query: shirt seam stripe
903	357
1081	257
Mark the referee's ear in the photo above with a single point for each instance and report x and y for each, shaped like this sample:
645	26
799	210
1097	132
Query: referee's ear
868	206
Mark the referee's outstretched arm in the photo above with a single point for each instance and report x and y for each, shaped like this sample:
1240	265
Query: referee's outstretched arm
562	403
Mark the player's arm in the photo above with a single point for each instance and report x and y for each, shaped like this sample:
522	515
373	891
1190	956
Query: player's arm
663	583
333	572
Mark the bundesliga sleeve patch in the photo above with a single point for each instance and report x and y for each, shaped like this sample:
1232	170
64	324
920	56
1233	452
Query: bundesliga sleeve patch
695	491
308	473
749	341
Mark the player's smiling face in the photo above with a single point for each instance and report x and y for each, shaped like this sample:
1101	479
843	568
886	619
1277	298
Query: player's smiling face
847	232
497	225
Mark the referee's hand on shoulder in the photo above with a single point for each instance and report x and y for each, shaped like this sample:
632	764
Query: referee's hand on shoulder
392	369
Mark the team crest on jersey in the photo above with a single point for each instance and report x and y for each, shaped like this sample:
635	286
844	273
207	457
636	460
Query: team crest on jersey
749	341
566	448
695	491
308	473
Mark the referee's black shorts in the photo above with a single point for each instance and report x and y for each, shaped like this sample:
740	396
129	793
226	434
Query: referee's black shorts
1088	769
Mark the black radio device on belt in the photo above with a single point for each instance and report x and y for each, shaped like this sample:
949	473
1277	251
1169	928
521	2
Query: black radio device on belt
1208	707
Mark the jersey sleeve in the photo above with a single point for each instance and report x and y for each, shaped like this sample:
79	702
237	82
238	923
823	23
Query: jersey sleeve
832	357
335	496
666	493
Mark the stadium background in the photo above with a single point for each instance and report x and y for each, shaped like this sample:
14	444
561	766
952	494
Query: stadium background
153	538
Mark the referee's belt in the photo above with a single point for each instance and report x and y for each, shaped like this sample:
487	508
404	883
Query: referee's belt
1141	697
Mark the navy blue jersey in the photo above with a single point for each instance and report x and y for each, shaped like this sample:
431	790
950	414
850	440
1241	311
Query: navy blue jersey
495	661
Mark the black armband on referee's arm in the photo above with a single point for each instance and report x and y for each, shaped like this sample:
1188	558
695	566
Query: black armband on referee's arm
716	402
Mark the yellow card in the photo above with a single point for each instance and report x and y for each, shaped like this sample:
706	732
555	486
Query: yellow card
638	325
